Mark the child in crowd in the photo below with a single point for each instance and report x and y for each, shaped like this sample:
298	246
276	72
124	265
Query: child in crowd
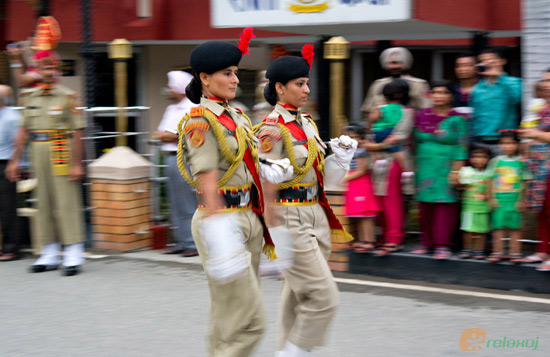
384	118
475	206
360	201
506	188
534	107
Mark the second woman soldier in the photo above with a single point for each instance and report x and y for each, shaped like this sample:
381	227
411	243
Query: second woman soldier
310	294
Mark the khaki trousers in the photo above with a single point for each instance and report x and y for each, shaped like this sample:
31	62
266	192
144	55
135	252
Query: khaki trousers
236	308
310	294
59	217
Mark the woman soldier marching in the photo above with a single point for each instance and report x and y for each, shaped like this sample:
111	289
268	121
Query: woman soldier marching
218	145
310	294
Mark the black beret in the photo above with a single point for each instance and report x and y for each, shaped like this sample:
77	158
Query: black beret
214	56
285	68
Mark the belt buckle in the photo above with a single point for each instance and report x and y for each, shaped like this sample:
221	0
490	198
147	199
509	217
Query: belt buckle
311	192
244	199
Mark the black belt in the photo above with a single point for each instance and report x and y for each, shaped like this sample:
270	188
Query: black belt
234	198
299	193
171	153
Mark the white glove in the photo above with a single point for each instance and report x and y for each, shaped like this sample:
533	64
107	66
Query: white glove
343	148
277	171
227	258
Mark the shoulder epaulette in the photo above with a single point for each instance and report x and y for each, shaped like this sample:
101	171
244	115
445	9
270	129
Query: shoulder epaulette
272	119
196	112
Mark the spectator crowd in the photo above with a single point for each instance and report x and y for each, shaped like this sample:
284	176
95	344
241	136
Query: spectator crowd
462	152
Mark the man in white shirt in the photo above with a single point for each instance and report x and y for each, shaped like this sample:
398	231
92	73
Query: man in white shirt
183	202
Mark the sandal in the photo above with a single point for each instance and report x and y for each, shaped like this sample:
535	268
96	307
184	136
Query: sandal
387	249
478	254
363	247
420	250
9	257
516	258
545	266
442	253
495	257
465	254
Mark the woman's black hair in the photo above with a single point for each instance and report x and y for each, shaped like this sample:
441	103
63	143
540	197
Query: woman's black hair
443	83
270	92
397	89
510	134
480	150
355	128
193	91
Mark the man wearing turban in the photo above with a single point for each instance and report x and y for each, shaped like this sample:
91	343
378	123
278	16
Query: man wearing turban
397	61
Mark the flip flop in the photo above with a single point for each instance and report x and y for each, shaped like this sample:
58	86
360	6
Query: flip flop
364	247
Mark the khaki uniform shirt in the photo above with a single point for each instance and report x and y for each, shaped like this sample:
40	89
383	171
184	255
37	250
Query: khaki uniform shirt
202	151
54	111
271	144
418	91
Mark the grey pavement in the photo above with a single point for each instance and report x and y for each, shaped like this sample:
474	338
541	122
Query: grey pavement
148	304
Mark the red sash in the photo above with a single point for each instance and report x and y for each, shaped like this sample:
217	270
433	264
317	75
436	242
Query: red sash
298	133
257	201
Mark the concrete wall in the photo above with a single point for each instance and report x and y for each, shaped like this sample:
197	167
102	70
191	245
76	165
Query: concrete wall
535	43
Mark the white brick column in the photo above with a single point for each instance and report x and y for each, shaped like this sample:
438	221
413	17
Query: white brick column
535	44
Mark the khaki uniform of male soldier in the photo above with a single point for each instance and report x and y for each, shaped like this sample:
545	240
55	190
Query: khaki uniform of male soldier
237	313
310	294
50	117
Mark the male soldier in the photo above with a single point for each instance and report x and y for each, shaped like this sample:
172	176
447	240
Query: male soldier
396	61
54	125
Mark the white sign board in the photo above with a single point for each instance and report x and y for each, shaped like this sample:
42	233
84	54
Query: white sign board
264	13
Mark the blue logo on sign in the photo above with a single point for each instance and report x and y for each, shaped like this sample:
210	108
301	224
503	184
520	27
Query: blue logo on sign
254	5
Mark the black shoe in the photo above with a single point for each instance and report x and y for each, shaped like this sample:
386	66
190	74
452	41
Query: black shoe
189	252
39	268
70	271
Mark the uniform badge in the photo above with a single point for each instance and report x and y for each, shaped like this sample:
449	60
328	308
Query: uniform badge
271	133
196	138
200	125
266	144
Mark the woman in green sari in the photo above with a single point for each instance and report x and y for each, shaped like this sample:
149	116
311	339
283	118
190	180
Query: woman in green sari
441	141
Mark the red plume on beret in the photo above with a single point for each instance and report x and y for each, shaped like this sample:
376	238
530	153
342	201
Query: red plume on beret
245	37
307	53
